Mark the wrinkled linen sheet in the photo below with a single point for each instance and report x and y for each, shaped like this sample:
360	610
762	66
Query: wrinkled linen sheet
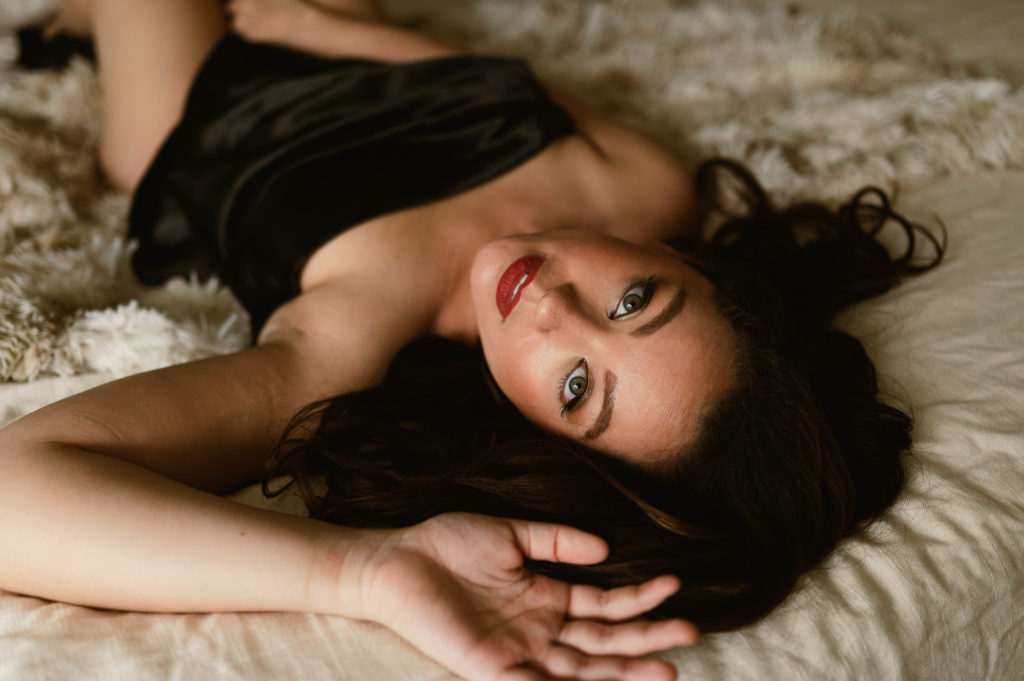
933	591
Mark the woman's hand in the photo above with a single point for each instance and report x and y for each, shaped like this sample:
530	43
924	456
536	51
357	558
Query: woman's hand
455	587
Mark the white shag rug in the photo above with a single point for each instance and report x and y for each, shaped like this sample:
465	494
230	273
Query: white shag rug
817	104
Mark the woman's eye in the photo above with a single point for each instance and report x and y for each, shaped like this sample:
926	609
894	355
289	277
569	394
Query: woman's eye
634	300
574	386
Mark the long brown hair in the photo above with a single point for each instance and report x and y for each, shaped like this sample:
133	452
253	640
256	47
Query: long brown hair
797	455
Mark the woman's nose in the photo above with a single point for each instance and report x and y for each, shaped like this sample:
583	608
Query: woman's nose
556	308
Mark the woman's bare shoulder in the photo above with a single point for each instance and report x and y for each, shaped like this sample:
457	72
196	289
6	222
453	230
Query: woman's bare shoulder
347	328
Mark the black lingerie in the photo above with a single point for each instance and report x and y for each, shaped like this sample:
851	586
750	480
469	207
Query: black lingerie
277	152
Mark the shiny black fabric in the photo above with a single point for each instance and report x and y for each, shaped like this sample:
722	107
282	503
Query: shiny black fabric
277	152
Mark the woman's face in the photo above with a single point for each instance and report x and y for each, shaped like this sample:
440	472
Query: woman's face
616	345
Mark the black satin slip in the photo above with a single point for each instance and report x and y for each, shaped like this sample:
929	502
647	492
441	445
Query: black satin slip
277	152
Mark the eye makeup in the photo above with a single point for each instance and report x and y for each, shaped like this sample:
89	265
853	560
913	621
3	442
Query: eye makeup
639	290
568	394
575	386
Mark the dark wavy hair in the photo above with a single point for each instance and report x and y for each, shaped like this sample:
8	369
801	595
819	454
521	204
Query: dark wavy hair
798	454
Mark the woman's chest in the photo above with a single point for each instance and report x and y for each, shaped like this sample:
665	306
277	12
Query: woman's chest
547	192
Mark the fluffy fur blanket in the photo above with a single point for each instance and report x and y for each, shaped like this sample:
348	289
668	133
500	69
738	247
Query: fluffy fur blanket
816	103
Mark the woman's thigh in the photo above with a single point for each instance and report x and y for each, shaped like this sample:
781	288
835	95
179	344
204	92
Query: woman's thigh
149	52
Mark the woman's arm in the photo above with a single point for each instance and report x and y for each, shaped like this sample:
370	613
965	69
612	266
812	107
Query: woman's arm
131	468
98	512
105	487
94	530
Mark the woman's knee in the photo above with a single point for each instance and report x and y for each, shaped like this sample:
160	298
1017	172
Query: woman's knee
124	161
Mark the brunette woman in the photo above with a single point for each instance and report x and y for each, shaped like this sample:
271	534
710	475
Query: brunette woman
381	202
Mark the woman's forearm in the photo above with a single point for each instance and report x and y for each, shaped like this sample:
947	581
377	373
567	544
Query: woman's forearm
89	529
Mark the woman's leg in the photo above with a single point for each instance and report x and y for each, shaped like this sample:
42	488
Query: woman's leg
148	52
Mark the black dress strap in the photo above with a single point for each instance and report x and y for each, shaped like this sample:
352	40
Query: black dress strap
278	152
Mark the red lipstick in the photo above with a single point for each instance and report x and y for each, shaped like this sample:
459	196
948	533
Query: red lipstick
517	277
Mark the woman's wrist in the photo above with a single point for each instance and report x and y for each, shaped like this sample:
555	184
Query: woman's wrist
456	587
346	569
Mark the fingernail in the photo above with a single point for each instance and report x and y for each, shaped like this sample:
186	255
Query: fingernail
690	633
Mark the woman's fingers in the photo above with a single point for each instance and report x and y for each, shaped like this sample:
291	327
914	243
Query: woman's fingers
565	663
622	603
633	638
558	543
523	674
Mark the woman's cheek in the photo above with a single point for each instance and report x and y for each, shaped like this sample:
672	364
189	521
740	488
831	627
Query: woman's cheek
533	390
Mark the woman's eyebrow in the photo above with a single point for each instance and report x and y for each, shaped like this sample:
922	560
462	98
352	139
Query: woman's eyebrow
674	307
604	417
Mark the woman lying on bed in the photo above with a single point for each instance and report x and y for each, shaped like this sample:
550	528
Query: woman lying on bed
380	214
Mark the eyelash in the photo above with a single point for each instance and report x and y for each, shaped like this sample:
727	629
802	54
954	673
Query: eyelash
648	292
563	383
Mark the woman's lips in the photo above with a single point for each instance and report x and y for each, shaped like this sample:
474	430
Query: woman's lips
517	277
